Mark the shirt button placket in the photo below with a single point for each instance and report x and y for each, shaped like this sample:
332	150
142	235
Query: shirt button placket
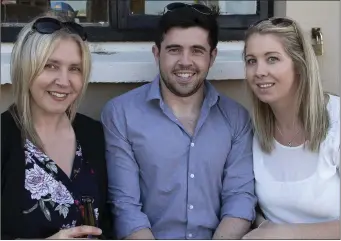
191	191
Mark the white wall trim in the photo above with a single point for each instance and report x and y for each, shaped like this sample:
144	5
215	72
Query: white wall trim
133	62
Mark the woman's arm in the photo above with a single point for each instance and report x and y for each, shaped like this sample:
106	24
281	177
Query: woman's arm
269	230
326	230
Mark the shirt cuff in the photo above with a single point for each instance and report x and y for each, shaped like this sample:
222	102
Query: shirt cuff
127	224
240	206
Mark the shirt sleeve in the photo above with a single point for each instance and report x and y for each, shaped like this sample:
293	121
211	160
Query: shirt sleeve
238	194
123	175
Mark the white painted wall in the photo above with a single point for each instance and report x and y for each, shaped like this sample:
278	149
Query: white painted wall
326	15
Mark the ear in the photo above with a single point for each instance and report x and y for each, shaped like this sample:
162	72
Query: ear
213	56
156	53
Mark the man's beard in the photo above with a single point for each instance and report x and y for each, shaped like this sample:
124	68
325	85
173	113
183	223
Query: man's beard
172	87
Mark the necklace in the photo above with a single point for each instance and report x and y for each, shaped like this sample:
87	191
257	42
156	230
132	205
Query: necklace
289	142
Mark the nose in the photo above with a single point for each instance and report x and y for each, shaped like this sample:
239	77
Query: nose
63	78
185	59
261	69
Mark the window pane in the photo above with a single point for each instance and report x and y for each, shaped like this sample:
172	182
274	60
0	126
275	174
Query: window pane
86	12
153	7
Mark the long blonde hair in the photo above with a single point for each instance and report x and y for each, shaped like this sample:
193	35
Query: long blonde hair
29	56
311	100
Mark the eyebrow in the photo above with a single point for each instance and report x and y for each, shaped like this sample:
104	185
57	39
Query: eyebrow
173	46
267	53
272	52
53	61
179	46
58	62
199	47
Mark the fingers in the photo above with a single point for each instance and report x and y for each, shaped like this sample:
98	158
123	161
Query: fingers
83	230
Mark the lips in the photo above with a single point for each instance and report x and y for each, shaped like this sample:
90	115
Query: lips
58	95
265	85
184	74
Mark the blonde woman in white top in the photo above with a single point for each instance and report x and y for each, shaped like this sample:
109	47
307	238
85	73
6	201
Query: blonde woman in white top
297	135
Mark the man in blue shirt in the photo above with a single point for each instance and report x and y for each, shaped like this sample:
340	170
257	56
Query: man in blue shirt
179	154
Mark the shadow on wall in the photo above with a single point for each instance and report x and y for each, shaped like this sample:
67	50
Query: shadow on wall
98	94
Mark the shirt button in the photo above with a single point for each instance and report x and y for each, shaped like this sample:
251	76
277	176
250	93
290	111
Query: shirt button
190	235
192	144
191	207
192	175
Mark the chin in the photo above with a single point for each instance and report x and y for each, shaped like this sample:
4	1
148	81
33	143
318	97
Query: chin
267	99
55	110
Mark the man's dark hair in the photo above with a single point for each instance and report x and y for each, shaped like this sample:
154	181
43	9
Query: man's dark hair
185	18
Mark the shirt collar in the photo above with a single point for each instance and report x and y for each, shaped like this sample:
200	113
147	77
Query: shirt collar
211	94
154	92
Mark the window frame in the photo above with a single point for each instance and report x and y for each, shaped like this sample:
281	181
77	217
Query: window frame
140	28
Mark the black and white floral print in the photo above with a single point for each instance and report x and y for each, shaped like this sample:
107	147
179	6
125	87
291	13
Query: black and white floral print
66	226
46	183
44	188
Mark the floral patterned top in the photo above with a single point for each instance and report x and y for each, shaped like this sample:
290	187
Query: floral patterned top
53	200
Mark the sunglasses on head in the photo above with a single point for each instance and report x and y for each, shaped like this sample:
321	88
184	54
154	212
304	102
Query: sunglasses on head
275	21
50	25
284	22
197	7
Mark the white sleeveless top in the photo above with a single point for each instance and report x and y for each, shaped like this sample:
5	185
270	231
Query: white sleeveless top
294	185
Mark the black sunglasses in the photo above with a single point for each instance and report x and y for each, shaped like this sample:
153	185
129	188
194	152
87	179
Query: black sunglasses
198	7
50	25
274	21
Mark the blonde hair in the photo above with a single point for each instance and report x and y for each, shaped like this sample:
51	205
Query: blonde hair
29	56
311	100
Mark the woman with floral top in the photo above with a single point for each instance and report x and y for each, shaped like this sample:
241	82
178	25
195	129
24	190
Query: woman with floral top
51	156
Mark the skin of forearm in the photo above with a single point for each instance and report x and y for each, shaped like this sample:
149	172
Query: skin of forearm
141	234
232	228
326	230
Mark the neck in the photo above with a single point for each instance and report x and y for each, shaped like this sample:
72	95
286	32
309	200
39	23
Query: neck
286	116
48	124
183	105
